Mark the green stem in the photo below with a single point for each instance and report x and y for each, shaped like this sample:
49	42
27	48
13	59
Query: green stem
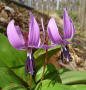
45	63
30	80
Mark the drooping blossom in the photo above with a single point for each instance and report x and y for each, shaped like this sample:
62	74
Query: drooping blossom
27	42
58	39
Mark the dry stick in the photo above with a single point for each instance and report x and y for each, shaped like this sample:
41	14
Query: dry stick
67	67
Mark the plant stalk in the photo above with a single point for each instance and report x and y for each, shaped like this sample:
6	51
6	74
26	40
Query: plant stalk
45	63
30	80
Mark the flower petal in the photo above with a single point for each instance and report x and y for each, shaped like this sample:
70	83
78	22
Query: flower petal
53	32
43	28
72	28
34	32
68	26
15	36
66	42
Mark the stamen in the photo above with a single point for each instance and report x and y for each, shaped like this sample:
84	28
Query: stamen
29	66
66	53
62	57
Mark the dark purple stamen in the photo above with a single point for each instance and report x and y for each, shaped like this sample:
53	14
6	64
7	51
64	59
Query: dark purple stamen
29	66
62	57
65	53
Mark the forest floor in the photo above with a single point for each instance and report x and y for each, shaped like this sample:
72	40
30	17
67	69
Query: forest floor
9	11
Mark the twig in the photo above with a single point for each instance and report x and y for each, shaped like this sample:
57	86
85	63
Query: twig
67	67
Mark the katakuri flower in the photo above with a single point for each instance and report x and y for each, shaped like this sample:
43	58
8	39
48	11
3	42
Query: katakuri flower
58	39
29	41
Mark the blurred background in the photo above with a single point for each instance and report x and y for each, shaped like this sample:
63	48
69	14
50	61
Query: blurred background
76	8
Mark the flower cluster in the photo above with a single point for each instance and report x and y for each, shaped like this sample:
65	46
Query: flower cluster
31	40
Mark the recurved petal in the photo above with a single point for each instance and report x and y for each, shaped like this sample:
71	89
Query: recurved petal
43	28
68	26
34	32
53	32
15	36
72	29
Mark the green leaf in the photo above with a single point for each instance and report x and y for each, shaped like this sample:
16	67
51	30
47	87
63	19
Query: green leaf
50	72
11	63
63	76
79	87
9	56
50	85
14	86
7	76
21	73
40	52
40	56
73	77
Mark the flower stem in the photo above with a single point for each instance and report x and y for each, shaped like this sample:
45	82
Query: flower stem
30	80
46	54
45	63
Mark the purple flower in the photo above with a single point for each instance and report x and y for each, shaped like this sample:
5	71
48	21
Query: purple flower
58	39
29	41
